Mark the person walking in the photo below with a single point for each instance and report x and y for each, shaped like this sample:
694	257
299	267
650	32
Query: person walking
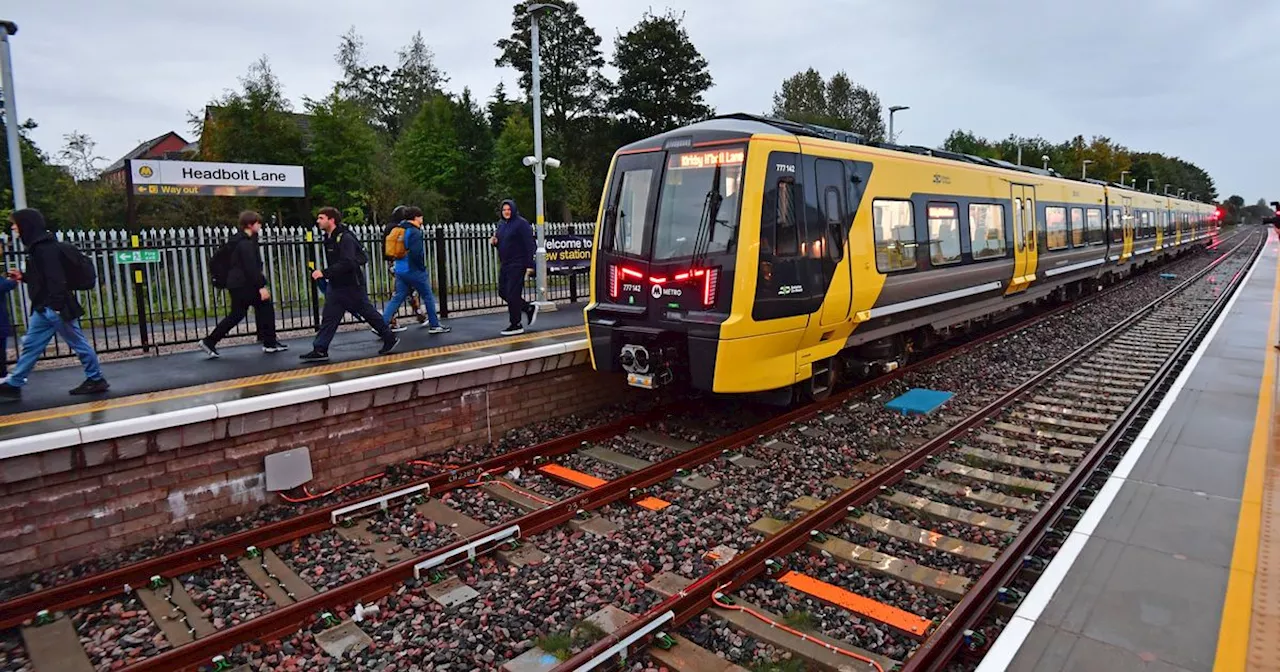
397	220
346	293
514	240
7	285
411	273
54	308
248	287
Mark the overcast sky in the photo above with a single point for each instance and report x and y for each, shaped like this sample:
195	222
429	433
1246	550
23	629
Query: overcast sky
1190	78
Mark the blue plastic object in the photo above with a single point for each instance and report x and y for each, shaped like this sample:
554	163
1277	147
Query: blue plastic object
919	401
1168	276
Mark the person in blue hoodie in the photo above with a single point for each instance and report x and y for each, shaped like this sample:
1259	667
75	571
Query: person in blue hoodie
411	273
514	240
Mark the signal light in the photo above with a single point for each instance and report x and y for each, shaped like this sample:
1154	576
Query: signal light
613	281
710	283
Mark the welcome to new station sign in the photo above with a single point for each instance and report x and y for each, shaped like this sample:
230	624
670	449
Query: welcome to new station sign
151	177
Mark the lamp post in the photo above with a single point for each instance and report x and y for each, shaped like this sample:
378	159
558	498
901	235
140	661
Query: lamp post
1084	168
1166	189
1149	181
1045	158
1122	174
892	111
8	28
539	173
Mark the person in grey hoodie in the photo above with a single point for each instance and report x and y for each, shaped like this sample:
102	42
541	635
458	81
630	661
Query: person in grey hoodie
514	240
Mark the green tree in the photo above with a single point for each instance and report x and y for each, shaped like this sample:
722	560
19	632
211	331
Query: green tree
499	108
415	80
253	125
853	107
46	184
340	165
475	142
966	142
510	178
571	83
429	153
803	98
661	76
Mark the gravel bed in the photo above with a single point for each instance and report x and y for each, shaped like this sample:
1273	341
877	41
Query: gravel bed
397	475
404	525
478	504
592	466
117	631
903	550
951	528
225	595
739	647
13	654
326	559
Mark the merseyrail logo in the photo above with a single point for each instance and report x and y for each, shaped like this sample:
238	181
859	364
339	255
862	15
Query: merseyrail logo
145	171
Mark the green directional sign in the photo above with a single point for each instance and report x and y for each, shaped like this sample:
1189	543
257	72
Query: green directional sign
138	257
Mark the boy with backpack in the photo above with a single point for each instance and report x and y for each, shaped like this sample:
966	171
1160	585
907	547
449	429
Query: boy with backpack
397	220
407	246
55	270
237	268
346	294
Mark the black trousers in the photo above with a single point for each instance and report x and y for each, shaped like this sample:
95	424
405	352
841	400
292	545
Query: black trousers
339	301
264	314
511	288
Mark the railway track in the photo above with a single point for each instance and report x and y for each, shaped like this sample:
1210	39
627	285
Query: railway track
547	485
968	517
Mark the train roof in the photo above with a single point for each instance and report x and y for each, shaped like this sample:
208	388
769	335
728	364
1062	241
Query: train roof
742	124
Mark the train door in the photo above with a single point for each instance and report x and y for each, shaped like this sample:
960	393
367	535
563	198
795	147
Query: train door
1129	223
1024	237
833	206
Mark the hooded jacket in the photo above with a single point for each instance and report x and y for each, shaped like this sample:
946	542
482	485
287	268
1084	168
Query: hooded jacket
46	280
246	265
342	253
515	239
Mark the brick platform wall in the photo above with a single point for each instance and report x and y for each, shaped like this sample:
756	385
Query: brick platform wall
67	504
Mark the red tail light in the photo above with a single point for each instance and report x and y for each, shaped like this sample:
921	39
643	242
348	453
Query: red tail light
613	281
710	283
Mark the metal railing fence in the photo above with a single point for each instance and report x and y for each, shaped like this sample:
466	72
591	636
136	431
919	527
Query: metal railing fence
165	298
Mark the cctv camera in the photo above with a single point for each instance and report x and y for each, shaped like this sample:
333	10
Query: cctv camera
529	161
552	162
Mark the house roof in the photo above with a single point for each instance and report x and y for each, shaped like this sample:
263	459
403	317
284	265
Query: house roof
140	151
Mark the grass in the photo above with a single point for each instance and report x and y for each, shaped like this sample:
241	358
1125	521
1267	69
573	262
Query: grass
562	644
800	620
792	665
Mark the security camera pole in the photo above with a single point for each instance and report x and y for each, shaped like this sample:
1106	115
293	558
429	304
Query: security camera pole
539	169
8	28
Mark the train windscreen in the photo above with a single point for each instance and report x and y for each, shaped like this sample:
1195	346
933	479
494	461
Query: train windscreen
698	205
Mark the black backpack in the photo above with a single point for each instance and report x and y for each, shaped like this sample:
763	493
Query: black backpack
77	267
220	263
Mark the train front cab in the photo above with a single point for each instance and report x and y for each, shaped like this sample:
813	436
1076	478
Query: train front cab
663	274
751	308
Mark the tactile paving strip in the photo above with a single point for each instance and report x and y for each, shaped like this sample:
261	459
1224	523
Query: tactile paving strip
1264	626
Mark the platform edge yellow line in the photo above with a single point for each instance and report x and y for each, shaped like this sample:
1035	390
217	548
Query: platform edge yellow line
1237	605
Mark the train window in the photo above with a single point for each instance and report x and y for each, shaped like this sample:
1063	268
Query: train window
895	235
1077	227
786	233
1170	226
632	224
1147	230
1055	221
944	234
986	231
1117	225
1093	219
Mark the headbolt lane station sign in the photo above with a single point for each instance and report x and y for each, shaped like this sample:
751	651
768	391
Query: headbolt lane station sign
151	177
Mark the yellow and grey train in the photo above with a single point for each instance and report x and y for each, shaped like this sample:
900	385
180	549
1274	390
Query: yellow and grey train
744	254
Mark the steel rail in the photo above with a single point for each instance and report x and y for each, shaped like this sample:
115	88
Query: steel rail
292	616
99	586
947	638
698	596
282	619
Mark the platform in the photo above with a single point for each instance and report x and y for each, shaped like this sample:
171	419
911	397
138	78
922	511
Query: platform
152	393
1160	572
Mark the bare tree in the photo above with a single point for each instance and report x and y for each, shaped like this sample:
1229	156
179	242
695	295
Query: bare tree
78	156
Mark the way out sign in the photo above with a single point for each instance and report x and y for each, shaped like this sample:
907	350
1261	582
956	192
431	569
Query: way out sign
138	257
